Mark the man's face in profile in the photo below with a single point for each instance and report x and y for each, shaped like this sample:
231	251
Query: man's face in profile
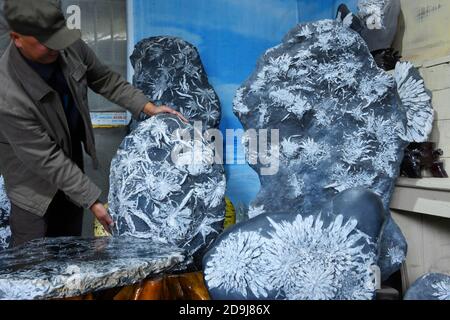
33	50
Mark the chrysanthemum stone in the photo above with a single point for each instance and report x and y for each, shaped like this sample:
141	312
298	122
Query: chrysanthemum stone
342	121
321	255
432	286
169	71
166	187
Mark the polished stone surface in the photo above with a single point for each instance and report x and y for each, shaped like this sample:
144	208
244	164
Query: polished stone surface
327	254
169	71
68	267
5	208
432	286
175	200
342	122
166	187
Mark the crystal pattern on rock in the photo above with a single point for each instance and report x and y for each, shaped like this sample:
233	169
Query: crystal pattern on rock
179	201
68	267
152	197
5	208
169	71
343	122
304	256
432	286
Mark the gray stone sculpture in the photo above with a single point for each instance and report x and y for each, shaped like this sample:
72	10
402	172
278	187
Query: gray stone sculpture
343	123
166	187
5	208
169	71
327	254
68	267
433	286
153	195
380	18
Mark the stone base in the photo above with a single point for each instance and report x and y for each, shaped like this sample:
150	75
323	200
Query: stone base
189	286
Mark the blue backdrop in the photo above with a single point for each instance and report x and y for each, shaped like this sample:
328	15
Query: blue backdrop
231	35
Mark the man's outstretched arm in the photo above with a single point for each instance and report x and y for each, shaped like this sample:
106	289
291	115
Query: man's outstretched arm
42	156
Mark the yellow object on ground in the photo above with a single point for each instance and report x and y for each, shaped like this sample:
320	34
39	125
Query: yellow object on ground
99	231
230	214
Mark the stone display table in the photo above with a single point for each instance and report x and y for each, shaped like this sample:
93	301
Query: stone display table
71	267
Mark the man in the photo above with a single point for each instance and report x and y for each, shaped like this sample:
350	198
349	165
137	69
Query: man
44	120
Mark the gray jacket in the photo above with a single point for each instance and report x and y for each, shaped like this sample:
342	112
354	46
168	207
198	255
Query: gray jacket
35	143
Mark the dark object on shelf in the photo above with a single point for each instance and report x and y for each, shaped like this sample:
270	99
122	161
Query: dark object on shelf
386	59
286	255
411	164
420	156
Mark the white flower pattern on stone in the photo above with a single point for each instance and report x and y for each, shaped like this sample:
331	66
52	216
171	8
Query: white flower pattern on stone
235	265
442	290
396	255
302	259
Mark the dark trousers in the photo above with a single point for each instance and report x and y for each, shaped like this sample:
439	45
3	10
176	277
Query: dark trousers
62	219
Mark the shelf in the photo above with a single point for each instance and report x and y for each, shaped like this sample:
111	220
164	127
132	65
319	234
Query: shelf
439	184
430	196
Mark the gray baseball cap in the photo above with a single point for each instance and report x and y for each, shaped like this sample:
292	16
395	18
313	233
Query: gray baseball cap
42	19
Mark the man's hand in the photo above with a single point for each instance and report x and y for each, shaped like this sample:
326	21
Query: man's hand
152	110
99	211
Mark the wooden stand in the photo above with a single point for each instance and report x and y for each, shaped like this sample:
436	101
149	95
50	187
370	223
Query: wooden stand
189	286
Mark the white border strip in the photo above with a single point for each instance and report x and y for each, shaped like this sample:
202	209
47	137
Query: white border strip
130	43
130	38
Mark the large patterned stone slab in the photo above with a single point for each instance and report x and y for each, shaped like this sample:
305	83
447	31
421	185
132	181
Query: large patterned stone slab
67	267
166	199
323	255
343	123
5	208
433	286
169	71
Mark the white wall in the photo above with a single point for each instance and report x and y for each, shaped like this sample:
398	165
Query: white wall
422	207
